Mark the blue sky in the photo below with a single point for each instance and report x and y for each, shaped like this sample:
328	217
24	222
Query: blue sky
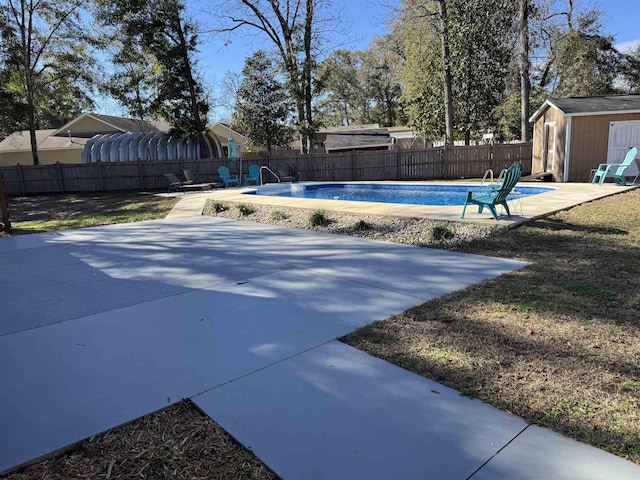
621	18
365	20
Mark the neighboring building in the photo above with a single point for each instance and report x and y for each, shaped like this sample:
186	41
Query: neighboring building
572	136
406	138
223	131
65	144
92	137
16	148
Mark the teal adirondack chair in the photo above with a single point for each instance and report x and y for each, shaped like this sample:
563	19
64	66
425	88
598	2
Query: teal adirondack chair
227	179
490	197
614	170
253	176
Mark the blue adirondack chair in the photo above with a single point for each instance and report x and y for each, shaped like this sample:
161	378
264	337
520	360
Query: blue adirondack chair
490	197
253	176
614	170
227	179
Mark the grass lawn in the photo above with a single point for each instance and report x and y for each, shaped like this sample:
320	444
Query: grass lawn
48	213
557	342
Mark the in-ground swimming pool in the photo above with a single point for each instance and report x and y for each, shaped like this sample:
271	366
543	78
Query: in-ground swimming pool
436	195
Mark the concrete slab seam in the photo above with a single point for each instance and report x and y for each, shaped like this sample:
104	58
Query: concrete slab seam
470	477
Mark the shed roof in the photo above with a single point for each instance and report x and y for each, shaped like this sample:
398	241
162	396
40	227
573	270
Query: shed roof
357	138
582	106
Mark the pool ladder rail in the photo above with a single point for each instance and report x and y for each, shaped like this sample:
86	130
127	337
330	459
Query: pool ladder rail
268	170
489	172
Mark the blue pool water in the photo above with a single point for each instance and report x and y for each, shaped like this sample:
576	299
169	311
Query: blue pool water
444	195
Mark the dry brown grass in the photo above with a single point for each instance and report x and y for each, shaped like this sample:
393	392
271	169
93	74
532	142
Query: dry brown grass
557	342
175	443
48	213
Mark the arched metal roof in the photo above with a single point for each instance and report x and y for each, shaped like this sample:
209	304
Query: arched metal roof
155	146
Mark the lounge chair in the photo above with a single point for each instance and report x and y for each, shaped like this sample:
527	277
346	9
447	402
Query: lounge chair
490	197
227	179
190	180
614	170
176	184
188	176
253	176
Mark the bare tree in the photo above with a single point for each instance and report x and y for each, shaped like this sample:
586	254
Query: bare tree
293	27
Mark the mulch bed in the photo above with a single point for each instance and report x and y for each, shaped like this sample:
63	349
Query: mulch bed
178	443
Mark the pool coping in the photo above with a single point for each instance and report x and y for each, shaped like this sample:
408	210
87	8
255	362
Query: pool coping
562	197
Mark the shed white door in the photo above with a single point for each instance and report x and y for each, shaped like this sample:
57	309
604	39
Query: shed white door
622	137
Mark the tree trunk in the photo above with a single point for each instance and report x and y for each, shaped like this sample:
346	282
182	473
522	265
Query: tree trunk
193	96
306	73
26	32
32	118
446	73
525	82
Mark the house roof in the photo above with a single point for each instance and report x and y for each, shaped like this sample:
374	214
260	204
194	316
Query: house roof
342	139
223	131
21	141
67	136
116	123
582	106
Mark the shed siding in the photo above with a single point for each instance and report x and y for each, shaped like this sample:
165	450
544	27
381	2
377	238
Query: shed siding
590	143
550	115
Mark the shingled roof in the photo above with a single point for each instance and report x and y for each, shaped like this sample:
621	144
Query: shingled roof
114	124
605	105
21	141
67	137
359	137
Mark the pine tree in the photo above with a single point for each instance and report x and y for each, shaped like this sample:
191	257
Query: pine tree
263	106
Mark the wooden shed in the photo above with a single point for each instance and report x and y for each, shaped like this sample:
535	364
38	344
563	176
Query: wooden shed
572	136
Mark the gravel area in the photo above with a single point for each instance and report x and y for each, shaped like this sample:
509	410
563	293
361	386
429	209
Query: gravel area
411	231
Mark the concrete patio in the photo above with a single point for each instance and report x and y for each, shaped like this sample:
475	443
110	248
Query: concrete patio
103	325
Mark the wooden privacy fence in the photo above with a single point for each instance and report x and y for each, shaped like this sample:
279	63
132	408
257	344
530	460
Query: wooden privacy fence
4	208
425	164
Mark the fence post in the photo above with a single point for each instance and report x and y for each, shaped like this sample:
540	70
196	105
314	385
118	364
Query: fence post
140	175
100	177
22	186
4	206
491	156
353	166
60	177
444	161
398	163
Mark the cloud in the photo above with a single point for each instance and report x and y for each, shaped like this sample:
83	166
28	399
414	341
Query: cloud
628	46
